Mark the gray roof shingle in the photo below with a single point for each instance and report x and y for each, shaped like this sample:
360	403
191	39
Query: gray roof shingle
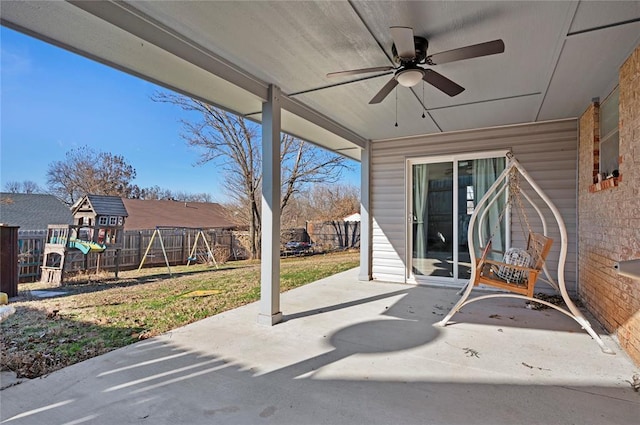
33	211
105	205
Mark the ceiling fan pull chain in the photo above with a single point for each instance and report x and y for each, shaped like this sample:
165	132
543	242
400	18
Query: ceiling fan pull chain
396	106
423	107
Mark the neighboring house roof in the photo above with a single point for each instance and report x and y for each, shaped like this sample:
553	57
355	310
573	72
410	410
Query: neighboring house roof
352	217
149	214
103	205
33	211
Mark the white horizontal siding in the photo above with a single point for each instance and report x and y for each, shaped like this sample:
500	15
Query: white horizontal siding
546	150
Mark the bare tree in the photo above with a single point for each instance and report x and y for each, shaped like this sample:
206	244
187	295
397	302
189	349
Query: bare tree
334	202
85	171
26	186
235	143
29	186
322	202
13	186
191	197
328	204
343	201
156	192
150	193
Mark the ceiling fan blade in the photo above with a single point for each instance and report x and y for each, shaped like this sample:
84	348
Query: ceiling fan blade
360	71
403	39
442	83
473	51
384	92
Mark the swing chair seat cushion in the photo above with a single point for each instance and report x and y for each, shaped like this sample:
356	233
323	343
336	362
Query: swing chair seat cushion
487	271
487	275
516	257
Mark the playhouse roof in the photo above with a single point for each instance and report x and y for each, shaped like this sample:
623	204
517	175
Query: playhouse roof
148	214
33	211
102	205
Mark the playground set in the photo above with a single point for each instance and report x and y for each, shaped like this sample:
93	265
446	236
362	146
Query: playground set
98	226
199	251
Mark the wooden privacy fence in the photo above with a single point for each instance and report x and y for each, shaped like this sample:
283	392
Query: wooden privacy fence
335	234
323	236
30	250
177	242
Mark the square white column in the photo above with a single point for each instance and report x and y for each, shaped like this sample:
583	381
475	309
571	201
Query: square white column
270	252
365	214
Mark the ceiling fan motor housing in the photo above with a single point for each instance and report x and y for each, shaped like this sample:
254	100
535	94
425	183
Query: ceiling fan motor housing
421	44
413	64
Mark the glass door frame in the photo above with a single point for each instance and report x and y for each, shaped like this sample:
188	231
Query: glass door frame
454	281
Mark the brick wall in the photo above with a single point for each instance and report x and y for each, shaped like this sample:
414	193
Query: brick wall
609	219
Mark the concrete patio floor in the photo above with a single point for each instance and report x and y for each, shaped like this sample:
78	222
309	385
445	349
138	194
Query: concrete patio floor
348	352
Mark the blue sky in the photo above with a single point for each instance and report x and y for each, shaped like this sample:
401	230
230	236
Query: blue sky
53	100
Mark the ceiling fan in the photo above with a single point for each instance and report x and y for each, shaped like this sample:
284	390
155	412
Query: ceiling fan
410	51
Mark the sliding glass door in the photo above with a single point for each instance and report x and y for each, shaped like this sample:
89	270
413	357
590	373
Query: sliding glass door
432	231
443	195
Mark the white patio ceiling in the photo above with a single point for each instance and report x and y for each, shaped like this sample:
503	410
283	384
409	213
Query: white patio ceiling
558	56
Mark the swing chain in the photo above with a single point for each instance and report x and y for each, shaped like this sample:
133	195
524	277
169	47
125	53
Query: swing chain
515	188
514	199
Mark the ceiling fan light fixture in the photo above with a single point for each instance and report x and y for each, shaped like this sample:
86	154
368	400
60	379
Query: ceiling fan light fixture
409	77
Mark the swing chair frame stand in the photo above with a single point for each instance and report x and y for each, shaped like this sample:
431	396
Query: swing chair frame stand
572	312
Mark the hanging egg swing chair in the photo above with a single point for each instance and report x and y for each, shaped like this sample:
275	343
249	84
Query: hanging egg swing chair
517	270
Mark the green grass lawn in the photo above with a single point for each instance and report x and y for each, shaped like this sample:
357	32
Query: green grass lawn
93	317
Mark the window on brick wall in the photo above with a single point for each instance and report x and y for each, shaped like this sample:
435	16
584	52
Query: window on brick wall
609	134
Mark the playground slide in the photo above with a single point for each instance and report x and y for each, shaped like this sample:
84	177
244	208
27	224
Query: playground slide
86	246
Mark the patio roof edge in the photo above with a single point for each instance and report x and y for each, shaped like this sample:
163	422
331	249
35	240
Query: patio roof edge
313	116
133	21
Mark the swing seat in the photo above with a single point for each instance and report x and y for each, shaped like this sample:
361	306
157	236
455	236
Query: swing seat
511	276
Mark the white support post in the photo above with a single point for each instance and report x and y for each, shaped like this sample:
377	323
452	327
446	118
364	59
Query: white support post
365	216
270	252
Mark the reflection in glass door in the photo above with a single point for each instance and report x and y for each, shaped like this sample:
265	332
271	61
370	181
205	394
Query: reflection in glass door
433	219
438	224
